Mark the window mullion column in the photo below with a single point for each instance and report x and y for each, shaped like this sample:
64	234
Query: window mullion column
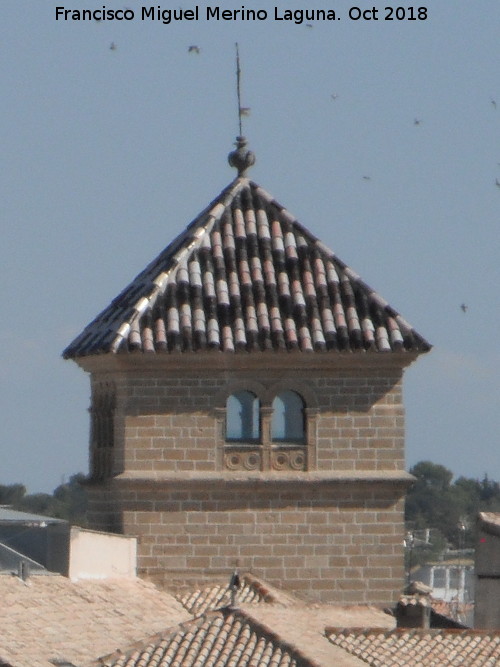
266	414
311	416
220	419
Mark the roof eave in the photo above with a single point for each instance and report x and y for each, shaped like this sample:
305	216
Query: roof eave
210	360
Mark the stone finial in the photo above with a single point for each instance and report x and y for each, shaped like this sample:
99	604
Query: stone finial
242	158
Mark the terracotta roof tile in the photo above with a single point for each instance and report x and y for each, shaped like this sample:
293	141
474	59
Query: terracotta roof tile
214	597
50	617
490	522
252	590
224	638
247	276
425	648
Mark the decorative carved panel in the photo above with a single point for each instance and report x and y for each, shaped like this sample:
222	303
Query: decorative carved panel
288	459
242	459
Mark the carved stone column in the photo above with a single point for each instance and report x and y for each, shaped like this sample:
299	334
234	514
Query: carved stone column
311	419
266	414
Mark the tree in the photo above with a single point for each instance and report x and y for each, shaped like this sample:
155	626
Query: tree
12	494
429	503
435	502
68	501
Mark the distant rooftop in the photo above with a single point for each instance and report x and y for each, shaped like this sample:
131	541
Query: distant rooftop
10	516
425	648
10	559
130	623
490	522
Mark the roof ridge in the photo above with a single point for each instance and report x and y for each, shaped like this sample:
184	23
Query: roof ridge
227	614
210	215
322	247
225	195
273	636
416	632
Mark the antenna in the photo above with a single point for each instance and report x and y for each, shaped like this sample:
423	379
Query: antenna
242	159
238	86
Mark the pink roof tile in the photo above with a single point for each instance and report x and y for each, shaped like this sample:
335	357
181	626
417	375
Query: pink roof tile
214	597
52	618
425	648
490	522
217	639
245	275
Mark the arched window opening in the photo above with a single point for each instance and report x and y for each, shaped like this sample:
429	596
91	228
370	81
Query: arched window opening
242	417
288	423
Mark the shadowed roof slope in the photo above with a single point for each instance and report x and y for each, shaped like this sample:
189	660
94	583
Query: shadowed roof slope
245	275
490	522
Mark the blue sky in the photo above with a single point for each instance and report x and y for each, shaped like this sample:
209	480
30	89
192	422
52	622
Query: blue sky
109	153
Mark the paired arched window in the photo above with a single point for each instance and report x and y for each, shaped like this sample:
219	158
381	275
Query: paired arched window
287	423
243	419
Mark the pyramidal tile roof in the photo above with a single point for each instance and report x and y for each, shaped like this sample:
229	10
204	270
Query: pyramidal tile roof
245	275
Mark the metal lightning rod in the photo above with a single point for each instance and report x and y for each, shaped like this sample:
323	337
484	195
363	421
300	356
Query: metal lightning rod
238	90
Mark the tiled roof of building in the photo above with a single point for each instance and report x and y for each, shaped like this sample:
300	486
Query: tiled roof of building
9	516
425	648
303	625
454	613
52	618
214	597
490	521
251	590
219	639
257	635
10	561
299	624
245	275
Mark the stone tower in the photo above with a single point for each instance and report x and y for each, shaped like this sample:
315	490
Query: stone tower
246	406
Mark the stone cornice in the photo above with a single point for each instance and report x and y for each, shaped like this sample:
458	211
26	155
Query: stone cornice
396	477
222	362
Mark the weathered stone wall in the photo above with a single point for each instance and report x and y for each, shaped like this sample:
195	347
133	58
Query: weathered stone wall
337	542
332	532
355	419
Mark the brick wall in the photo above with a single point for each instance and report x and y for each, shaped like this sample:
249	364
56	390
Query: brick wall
176	423
324	533
333	542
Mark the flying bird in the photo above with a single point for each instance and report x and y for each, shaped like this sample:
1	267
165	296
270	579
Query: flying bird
334	96
309	25
113	46
493	103
464	307
417	121
497	182
367	178
245	111
194	49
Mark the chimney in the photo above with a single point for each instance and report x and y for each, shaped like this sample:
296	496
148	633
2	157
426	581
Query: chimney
23	570
414	606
